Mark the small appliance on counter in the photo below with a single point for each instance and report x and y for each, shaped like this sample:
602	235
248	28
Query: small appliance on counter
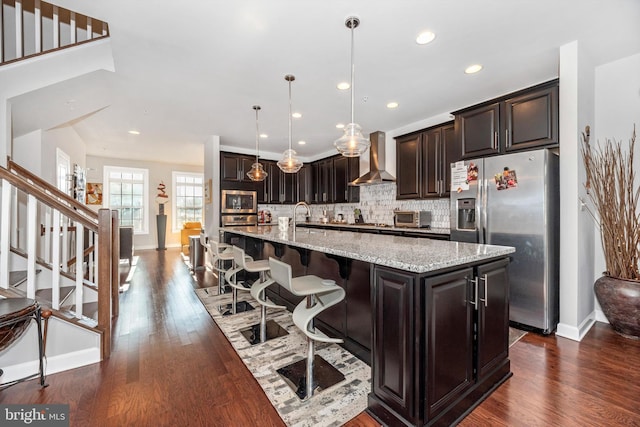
357	214
412	219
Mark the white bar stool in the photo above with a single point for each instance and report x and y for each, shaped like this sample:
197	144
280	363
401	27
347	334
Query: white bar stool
264	330
240	263
307	375
220	253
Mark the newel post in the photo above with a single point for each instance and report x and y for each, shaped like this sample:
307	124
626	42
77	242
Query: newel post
115	263
104	279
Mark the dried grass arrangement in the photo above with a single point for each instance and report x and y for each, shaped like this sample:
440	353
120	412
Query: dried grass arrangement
614	192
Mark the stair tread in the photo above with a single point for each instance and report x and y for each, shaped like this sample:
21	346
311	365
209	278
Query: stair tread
89	310
47	294
18	277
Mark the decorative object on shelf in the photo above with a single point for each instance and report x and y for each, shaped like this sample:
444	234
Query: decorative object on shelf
94	193
257	172
289	162
162	198
352	143
610	186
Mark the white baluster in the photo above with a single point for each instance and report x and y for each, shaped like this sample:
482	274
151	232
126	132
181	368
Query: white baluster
65	244
46	250
56	28
18	22
79	269
38	26
72	29
89	28
55	261
5	222
32	229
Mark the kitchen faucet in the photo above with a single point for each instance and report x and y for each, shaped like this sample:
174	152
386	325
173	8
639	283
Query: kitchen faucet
295	208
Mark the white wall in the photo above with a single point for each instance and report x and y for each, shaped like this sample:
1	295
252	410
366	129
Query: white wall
25	76
68	140
617	110
157	172
27	151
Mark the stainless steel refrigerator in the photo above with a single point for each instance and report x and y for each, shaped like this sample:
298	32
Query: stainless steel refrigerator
514	200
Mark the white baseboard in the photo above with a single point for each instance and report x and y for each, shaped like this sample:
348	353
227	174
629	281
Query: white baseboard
576	333
52	365
600	317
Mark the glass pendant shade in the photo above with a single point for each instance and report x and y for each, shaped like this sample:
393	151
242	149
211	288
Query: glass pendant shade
257	172
352	143
289	162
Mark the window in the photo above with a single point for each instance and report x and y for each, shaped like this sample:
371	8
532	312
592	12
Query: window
126	190
188	198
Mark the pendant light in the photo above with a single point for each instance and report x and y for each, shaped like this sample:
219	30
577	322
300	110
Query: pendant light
289	162
257	172
352	143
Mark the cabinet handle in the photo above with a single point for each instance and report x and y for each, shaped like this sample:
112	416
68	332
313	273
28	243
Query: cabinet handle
485	279
506	138
475	292
495	140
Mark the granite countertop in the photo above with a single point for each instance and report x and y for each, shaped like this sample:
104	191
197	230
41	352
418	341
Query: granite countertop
404	253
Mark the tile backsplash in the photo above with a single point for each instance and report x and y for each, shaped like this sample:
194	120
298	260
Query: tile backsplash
377	203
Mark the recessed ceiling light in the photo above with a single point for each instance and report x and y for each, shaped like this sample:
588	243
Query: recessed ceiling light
392	105
471	69
264	135
302	142
344	85
340	126
296	115
134	132
426	37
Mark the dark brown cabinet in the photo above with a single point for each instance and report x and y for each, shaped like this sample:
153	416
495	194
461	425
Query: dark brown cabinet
331	178
345	170
440	341
524	120
234	167
278	187
304	184
393	346
423	162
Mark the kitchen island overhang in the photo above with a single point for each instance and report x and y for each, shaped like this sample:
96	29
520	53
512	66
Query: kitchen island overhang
439	316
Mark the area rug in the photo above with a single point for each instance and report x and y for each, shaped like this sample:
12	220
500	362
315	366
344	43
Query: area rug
331	407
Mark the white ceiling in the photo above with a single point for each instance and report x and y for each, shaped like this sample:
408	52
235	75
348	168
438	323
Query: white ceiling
185	70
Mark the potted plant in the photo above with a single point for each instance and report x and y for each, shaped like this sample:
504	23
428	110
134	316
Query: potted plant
615	192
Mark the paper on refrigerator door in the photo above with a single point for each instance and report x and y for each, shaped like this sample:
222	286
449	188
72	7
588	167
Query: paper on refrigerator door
460	176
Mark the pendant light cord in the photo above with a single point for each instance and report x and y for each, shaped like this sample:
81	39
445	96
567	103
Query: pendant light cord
291	78
353	69
257	135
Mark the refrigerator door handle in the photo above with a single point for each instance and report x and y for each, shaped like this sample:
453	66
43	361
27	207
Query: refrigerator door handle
485	191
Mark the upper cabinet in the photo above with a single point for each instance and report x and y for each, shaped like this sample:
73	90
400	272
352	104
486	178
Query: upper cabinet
234	167
521	121
331	178
423	162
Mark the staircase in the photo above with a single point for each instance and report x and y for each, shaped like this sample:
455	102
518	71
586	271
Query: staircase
30	28
59	252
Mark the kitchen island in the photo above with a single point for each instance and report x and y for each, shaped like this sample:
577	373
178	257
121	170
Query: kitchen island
434	315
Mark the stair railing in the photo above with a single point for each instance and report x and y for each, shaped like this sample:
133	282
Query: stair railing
62	212
49	27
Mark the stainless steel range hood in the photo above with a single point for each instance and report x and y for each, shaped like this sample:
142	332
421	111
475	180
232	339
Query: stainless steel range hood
376	174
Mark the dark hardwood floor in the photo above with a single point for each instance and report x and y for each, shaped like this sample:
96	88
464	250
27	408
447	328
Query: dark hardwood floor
172	366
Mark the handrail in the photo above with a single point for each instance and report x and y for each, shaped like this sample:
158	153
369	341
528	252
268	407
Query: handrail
27	174
91	222
86	252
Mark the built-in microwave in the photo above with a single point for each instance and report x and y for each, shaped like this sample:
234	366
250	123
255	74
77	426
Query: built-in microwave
239	202
412	219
